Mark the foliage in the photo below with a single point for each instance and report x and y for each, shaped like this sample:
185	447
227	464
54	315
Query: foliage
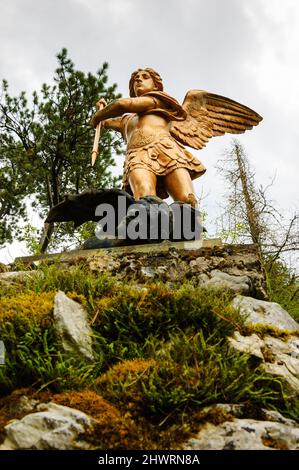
251	217
15	182
283	287
23	308
130	323
191	371
77	278
33	358
31	235
45	144
161	355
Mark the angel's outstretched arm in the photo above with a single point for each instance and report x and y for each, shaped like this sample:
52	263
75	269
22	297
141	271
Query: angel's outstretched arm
122	106
114	123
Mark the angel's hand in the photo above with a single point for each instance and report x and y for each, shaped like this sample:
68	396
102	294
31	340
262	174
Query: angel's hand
101	103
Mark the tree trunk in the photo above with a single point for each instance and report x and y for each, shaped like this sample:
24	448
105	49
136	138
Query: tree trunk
252	215
46	236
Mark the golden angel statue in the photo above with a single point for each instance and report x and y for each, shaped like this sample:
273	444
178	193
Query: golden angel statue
156	128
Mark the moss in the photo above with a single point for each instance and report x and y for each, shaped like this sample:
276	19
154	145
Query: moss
262	330
77	278
32	352
127	370
268	354
81	299
214	416
114	430
274	443
160	356
10	409
28	307
190	371
123	383
130	315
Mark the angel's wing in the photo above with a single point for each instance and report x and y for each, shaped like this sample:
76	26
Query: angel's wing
209	115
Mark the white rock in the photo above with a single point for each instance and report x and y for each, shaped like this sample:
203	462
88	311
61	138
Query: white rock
247	434
71	325
238	284
25	405
54	427
271	415
265	313
247	344
148	272
20	275
280	357
200	263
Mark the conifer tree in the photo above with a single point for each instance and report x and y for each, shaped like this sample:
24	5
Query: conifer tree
46	143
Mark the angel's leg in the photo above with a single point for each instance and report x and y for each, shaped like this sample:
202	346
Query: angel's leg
179	186
143	183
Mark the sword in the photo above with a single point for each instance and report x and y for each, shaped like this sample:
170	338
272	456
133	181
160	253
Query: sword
95	149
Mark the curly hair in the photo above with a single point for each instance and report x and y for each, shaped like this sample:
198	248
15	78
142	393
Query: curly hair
155	76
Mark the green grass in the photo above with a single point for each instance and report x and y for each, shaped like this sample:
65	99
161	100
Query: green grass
53	277
283	288
160	353
189	371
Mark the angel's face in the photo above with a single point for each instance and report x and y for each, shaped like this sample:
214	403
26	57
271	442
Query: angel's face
143	83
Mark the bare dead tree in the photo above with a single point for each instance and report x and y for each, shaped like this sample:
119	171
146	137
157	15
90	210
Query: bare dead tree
250	215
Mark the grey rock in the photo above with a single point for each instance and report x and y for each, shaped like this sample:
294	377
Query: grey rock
245	434
282	370
247	344
52	427
271	415
280	357
238	284
147	272
240	411
71	326
222	409
25	405
199	264
276	432
265	313
19	275
202	262
203	278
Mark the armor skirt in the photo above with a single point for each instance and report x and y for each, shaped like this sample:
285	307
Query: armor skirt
160	154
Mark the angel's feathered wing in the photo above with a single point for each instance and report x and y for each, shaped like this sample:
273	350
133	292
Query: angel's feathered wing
209	115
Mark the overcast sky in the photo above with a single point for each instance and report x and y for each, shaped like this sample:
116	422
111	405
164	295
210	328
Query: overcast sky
247	50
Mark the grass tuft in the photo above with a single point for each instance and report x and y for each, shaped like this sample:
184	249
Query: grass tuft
161	355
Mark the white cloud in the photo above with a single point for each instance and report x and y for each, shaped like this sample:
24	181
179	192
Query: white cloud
247	51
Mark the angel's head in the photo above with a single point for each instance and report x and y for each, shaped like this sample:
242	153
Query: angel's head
143	81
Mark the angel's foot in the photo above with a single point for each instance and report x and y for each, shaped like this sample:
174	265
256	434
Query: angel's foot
192	200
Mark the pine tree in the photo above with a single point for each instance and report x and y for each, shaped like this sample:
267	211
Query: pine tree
14	184
46	145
